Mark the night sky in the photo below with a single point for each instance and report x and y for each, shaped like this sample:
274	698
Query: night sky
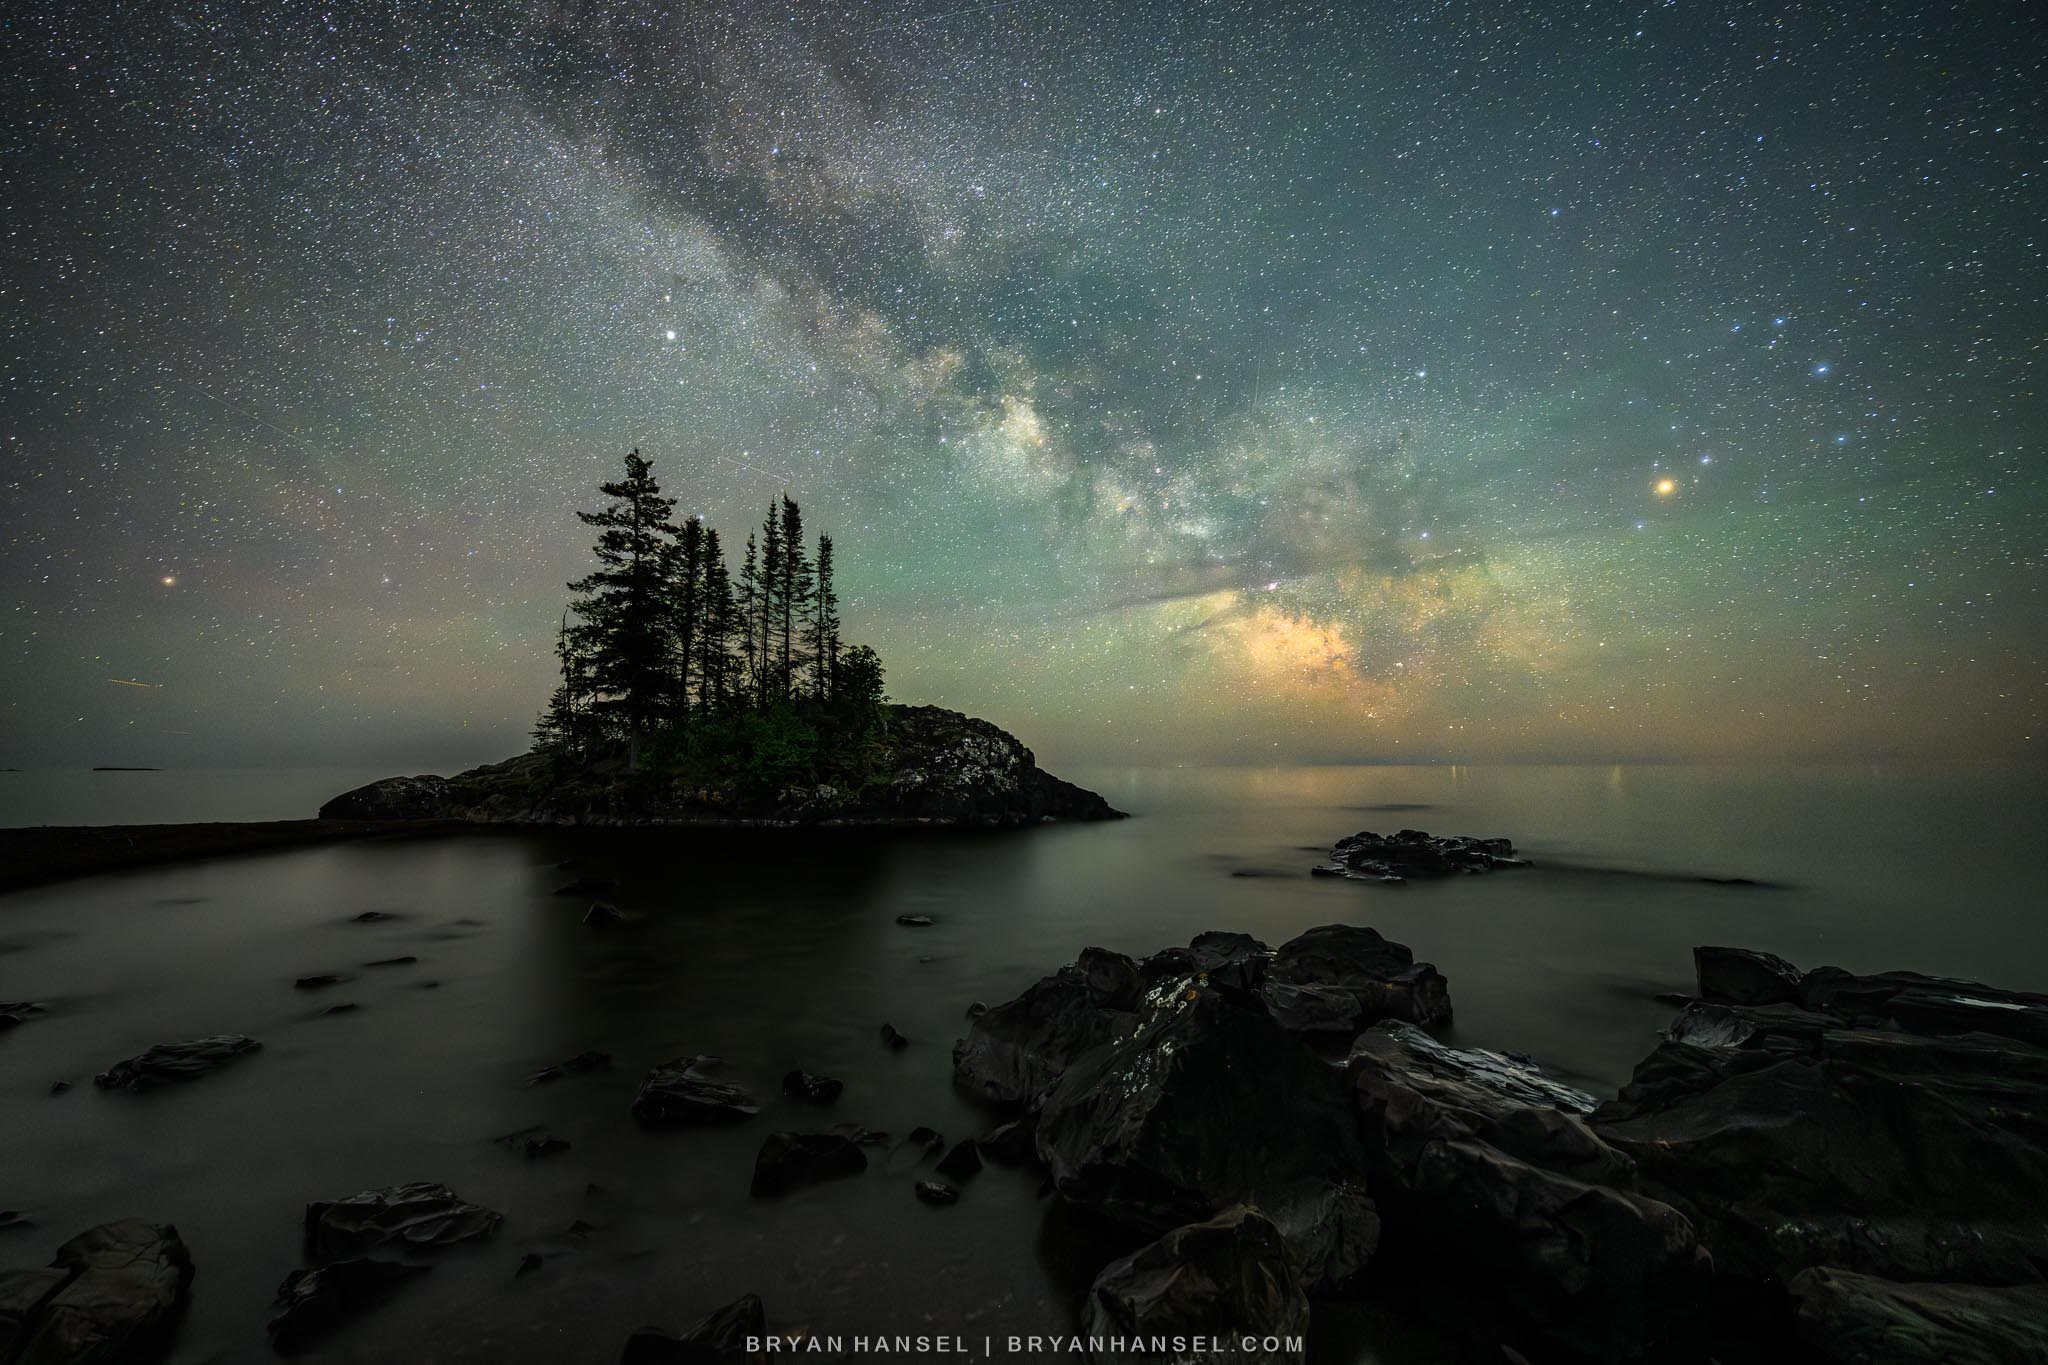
1181	382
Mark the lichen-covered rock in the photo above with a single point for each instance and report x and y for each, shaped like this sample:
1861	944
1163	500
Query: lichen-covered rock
426	797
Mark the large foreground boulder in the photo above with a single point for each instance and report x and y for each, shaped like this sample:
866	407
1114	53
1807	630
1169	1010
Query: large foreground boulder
1339	978
112	1295
1889	1125
1483	1164
1222	1281
1014	1051
1850	1319
420	1214
1206	1104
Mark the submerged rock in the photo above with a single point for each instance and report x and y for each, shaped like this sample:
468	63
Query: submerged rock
582	1064
685	1092
169	1063
421	1214
788	1160
802	1085
1370	857
1849	1319
312	1303
720	1339
1339	978
1226	1279
112	1295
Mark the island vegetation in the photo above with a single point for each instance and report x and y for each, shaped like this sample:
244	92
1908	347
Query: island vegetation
673	665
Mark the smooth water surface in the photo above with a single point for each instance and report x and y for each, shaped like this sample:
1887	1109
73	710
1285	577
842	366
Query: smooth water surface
776	950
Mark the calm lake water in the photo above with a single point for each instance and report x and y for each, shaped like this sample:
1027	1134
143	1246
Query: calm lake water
776	951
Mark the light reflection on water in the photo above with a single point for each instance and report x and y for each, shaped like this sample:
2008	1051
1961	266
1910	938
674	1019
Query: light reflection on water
776	951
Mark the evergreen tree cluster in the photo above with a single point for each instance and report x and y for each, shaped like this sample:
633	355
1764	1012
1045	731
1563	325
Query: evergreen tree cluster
664	656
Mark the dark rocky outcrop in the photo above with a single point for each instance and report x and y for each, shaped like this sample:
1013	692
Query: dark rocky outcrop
1850	1319
685	1092
1369	857
1015	1050
1161	1127
943	768
170	1063
720	1339
420	1214
788	1160
112	1295
937	1192
312	1303
1480	1162
1888	1125
1339	978
1222	1280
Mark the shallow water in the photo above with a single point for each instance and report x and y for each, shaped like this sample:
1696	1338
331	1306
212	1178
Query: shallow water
775	951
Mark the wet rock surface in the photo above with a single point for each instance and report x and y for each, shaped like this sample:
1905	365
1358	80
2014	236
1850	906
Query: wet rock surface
171	1063
1339	978
687	1091
1890	1125
720	1339
112	1294
1222	1279
1849	1319
312	1303
789	1160
1412	853
420	1214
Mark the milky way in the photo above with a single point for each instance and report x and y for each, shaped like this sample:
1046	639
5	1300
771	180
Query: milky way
1186	382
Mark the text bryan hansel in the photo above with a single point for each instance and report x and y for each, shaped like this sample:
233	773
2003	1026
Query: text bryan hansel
1170	1344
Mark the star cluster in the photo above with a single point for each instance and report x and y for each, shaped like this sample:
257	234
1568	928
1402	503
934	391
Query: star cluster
1181	381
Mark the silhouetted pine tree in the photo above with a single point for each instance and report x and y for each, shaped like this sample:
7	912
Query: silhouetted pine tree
822	632
770	606
792	599
685	585
748	608
624	630
716	621
561	727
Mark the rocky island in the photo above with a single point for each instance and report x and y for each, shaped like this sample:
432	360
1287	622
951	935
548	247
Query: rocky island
930	767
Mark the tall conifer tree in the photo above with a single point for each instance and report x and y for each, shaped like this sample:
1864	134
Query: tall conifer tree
624	628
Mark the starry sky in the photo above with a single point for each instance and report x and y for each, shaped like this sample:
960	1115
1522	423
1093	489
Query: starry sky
1182	382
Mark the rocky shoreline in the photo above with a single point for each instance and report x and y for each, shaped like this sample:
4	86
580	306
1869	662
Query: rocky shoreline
945	769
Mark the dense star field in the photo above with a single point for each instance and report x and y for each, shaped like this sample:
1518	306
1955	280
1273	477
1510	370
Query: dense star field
1179	381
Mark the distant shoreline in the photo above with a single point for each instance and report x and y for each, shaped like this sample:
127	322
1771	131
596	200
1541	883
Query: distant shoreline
35	855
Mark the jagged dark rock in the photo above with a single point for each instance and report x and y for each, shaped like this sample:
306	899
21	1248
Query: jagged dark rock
312	1303
169	1063
1737	976
788	1160
1369	857
1482	1163
1013	1051
1226	1279
891	1039
1850	1319
1339	978
1889	1125
685	1092
1156	1129
720	1339
421	1214
961	1161
937	1192
944	769
112	1295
